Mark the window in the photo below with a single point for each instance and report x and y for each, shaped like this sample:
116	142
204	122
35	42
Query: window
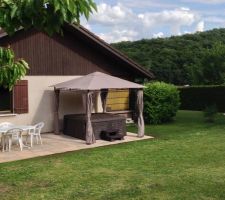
15	101
118	100
5	100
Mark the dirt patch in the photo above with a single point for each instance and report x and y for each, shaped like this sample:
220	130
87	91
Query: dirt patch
4	188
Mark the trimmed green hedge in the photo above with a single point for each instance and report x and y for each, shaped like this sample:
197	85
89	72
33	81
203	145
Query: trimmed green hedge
161	102
199	97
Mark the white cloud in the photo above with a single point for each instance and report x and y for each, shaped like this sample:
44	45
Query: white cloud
185	8
200	26
206	1
175	19
215	19
129	25
158	35
111	15
85	24
117	36
149	3
187	32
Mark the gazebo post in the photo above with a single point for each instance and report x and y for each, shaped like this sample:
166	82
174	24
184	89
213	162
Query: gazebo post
90	137
140	107
56	113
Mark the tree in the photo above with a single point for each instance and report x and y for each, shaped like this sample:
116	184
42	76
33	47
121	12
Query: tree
181	60
213	65
44	15
11	70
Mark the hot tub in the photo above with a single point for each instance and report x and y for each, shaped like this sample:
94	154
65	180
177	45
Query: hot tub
75	124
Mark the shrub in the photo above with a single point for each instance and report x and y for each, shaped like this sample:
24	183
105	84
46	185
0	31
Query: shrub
199	97
161	102
210	113
11	70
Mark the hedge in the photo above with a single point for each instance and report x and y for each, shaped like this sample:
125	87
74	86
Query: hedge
197	98
161	102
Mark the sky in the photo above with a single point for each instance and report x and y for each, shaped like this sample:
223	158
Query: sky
130	20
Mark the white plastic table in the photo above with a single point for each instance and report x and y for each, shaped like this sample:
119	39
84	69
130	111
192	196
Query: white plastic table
23	127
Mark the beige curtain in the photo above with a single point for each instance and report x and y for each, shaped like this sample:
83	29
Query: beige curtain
140	106
104	94
84	101
56	112
90	137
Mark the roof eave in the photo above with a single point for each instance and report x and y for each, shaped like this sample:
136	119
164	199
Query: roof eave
114	51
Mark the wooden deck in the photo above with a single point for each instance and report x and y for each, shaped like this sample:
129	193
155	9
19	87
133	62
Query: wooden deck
53	144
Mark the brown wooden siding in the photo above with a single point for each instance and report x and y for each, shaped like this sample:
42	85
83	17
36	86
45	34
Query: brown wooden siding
66	55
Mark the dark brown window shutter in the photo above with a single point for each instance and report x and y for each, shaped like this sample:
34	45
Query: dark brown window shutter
20	97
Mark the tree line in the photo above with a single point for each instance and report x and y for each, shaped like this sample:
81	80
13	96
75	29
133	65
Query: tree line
193	59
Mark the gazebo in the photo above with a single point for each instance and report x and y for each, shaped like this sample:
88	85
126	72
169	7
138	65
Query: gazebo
98	82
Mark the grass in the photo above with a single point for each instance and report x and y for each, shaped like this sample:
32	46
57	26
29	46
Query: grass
186	160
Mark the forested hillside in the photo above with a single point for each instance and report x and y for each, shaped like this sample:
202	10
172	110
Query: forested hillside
189	59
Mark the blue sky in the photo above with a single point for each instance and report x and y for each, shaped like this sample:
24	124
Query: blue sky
123	20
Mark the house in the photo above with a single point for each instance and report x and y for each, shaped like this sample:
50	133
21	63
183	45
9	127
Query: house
57	59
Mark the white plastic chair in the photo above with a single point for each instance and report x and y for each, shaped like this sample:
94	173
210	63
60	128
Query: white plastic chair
4	125
36	132
10	135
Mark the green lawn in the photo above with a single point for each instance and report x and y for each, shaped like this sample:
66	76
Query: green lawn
186	160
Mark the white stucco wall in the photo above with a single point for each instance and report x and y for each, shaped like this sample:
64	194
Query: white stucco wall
41	102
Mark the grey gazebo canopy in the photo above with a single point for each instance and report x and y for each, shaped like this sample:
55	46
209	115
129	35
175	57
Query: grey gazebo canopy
98	81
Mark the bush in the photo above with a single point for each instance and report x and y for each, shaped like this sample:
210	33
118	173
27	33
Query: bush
161	102
197	98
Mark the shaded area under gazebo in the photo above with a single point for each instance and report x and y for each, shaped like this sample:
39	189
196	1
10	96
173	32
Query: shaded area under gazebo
98	82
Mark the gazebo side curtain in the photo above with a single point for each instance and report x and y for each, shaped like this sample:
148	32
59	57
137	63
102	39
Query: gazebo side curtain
140	107
56	112
90	137
104	94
